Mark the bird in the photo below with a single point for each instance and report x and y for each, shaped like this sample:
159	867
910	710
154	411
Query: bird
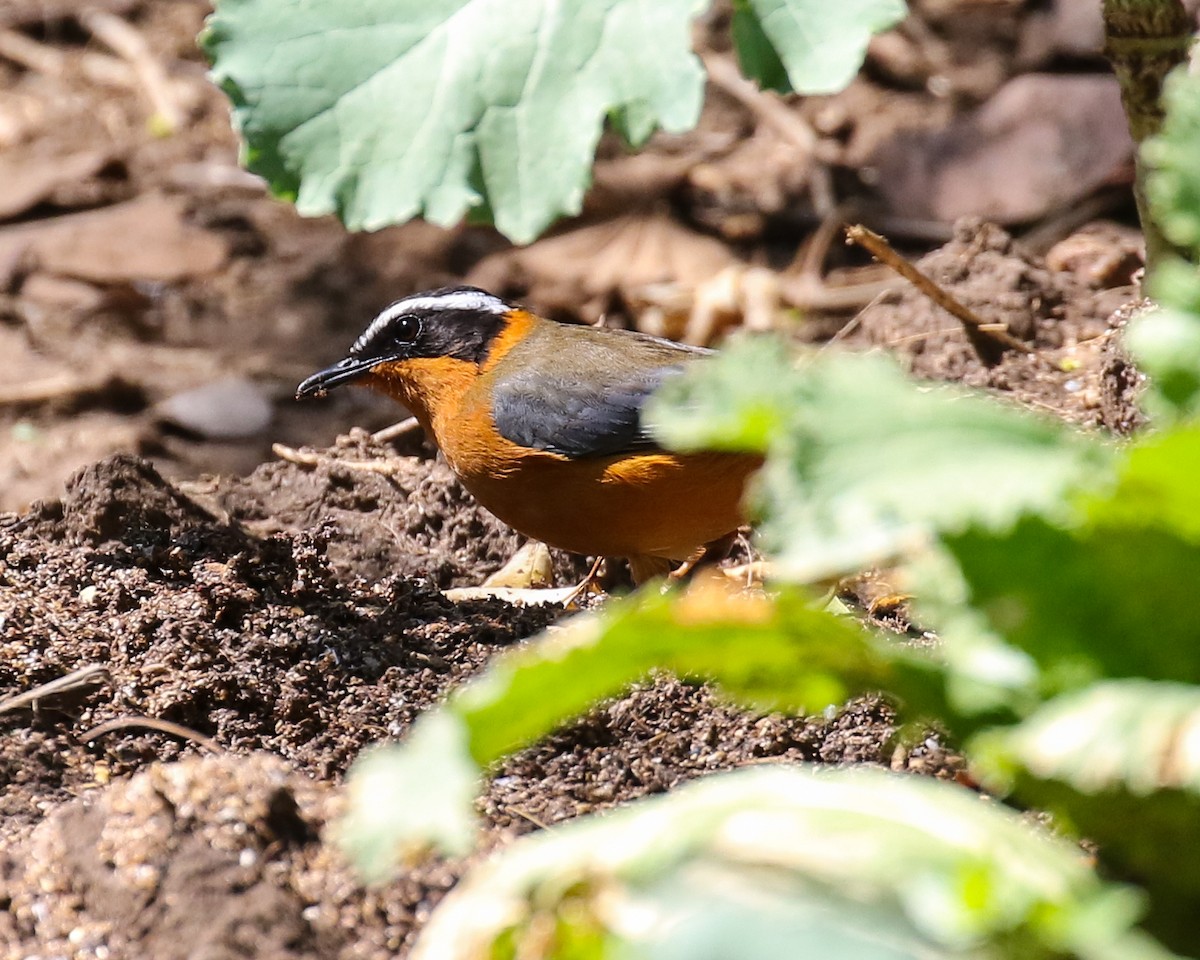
543	422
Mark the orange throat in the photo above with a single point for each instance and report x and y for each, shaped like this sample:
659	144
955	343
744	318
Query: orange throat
431	389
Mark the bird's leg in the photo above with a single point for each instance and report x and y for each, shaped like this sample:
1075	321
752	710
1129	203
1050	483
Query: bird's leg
585	584
711	553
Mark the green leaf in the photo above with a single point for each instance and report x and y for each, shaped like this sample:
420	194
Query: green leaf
776	653
1134	735
380	110
985	676
1166	344
1087	604
864	465
1173	187
1155	490
409	799
757	57
1120	762
1156	486
786	861
1175	283
820	45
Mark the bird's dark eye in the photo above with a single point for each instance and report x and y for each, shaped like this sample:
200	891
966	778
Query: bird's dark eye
405	329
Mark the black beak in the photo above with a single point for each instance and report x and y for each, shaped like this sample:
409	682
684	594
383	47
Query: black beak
344	371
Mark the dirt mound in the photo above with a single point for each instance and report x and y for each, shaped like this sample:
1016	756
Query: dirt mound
378	512
185	630
1069	323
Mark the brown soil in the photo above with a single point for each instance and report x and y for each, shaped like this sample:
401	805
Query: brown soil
157	310
287	661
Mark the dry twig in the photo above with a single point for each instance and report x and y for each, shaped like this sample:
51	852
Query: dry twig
126	42
988	339
50	62
153	723
310	458
83	677
65	386
396	431
774	113
804	283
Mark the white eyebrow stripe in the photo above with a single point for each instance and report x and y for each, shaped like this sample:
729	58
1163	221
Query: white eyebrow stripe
454	300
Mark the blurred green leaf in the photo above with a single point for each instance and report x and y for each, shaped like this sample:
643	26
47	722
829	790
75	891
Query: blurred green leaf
773	652
1134	735
1166	345
810	46
1087	604
1174	185
1166	342
863	464
786	861
743	400
1120	762
407	800
1176	284
1157	485
380	110
985	676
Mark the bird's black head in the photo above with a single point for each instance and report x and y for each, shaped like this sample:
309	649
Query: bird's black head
457	323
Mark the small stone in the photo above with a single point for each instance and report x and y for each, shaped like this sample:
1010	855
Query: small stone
228	409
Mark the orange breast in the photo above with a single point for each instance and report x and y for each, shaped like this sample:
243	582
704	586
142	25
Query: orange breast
656	504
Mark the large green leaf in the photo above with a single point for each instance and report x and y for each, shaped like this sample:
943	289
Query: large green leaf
1087	604
379	110
1139	736
1100	597
1174	185
811	46
1120	761
433	780
1166	342
784	862
777	652
1156	485
864	464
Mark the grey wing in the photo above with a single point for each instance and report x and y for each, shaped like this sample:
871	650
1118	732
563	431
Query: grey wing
574	418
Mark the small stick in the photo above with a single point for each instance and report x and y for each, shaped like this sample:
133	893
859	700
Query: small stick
127	43
44	59
985	337
82	677
31	55
804	285
153	723
307	458
588	583
397	430
48	389
529	817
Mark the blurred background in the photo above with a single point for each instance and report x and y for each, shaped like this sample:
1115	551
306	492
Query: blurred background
155	299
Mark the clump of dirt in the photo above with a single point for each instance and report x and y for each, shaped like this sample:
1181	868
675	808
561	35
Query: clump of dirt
376	511
1068	323
248	640
169	609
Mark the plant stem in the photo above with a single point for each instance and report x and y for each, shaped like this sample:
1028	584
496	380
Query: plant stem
1145	40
